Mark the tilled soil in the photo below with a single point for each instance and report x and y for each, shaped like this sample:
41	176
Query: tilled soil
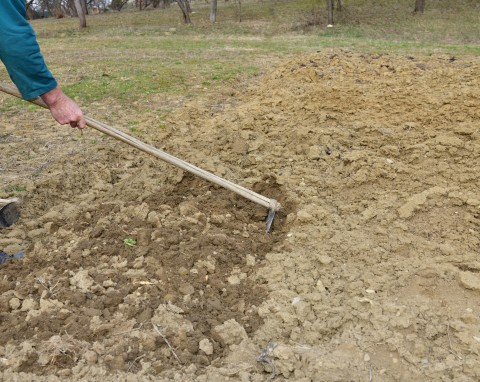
135	270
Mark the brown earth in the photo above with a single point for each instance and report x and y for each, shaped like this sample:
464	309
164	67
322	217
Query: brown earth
371	271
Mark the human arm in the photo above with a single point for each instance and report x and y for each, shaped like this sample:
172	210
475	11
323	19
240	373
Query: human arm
21	55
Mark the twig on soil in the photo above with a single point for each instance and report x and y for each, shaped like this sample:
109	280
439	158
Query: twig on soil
450	343
448	335
36	172
132	367
164	337
264	357
140	325
51	289
370	374
300	346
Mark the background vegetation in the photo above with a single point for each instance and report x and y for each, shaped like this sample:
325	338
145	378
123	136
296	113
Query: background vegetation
150	60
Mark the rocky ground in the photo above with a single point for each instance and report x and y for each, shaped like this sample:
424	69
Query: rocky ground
135	270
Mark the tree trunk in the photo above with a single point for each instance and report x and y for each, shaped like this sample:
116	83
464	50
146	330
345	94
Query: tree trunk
83	3
81	15
28	5
213	11
183	7
419	6
330	11
239	10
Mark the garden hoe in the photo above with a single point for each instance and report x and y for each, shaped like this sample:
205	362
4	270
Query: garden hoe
272	205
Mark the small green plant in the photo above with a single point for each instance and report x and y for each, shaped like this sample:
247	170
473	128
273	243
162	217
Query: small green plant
130	242
16	187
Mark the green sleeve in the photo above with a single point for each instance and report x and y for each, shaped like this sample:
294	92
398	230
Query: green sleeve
20	53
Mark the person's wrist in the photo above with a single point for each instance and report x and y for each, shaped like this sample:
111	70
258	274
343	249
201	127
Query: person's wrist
52	97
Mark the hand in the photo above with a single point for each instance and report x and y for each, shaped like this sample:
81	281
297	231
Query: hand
63	109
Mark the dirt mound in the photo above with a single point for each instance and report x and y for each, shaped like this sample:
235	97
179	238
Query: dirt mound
371	270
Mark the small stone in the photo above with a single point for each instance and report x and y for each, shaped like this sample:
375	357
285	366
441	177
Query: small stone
158	366
64	372
314	152
153	219
469	280
14	303
44	359
108	283
283	352
82	280
29	304
206	346
324	259
187	289
234	280
251	260
91	357
366	357
230	332
217	219
320	286
169	297
144	237
305	217
191	369
36	233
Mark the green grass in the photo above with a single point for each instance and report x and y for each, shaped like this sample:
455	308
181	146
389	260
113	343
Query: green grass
14	189
146	60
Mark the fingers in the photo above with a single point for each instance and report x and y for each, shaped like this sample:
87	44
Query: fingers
68	112
82	124
78	124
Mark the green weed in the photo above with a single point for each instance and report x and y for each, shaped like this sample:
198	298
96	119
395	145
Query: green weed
130	242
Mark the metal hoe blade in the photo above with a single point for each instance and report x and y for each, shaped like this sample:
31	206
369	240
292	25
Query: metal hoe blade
274	207
9	214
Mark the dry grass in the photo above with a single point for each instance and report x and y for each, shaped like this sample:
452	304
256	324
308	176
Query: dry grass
63	349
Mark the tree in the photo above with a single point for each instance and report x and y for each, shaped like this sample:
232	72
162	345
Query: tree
213	11
238	4
330	11
184	7
80	13
83	3
28	5
419	6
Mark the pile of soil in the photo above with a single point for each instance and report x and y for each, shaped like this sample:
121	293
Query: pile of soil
136	270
